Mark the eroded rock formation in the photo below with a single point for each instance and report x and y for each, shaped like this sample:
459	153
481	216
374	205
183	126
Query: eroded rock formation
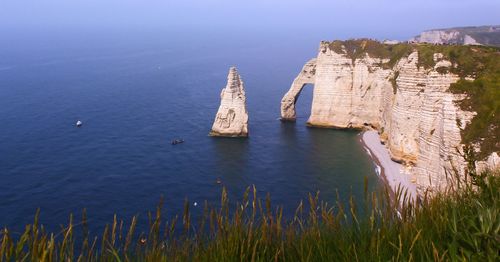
306	76
232	117
408	104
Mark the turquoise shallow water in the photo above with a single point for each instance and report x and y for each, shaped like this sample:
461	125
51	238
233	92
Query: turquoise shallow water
135	92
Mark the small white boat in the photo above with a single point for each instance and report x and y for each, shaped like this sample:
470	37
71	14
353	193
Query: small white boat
79	123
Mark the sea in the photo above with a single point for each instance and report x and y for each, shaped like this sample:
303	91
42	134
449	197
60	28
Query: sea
136	91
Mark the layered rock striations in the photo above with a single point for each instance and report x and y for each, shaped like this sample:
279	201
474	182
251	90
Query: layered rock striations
417	117
231	119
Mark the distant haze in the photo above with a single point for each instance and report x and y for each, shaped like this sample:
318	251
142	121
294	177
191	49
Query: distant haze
327	19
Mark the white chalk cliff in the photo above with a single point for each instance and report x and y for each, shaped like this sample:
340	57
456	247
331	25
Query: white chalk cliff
409	105
472	35
232	117
437	36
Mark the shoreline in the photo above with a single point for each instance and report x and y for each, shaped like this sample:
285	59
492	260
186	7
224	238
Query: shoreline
391	172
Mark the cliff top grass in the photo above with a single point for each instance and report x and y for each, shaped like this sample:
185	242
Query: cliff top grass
462	225
482	63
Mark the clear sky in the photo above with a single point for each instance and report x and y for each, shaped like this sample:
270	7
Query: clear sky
353	18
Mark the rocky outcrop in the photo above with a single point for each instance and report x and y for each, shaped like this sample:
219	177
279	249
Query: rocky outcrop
232	117
492	162
408	104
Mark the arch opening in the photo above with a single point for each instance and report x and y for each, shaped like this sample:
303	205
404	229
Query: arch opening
303	103
305	77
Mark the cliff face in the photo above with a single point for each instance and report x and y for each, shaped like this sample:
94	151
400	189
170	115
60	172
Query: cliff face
408	104
231	119
479	35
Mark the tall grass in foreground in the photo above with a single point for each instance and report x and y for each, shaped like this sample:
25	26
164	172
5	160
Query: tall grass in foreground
461	225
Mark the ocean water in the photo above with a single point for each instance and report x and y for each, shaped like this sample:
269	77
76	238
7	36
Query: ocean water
134	93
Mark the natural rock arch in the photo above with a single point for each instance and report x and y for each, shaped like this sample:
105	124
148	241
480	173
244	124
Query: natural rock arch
306	76
407	103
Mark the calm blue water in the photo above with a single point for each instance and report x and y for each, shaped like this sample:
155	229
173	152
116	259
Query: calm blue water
135	92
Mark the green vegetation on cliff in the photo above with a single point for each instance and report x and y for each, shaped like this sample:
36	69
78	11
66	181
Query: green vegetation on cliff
483	94
461	225
478	62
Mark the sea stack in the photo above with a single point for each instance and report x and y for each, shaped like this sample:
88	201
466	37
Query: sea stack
232	117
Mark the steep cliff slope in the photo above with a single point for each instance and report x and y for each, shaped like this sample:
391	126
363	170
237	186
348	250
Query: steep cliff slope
473	35
426	101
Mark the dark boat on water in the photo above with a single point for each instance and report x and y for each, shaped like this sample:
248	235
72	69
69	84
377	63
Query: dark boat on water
177	141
